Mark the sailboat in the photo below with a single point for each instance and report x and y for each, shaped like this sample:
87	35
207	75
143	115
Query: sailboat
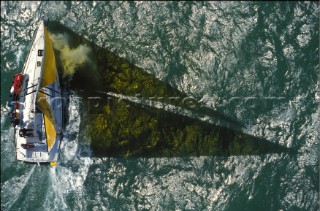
37	106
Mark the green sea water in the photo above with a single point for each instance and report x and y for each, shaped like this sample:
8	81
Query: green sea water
258	63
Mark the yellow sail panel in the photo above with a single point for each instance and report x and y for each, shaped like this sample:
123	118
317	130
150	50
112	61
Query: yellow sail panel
49	64
44	106
49	119
50	132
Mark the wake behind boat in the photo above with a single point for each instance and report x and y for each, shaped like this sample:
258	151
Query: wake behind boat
36	109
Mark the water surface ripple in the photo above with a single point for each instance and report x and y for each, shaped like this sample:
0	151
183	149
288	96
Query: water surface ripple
213	51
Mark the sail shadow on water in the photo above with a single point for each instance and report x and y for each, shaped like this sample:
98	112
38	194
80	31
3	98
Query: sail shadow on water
127	112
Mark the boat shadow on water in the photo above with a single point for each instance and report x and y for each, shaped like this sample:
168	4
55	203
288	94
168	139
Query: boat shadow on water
126	112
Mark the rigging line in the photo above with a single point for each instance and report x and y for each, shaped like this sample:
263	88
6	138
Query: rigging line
45	93
30	93
31	86
52	90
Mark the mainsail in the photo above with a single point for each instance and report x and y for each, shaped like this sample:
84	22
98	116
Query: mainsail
48	77
49	62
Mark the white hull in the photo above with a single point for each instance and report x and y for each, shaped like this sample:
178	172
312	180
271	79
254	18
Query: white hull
30	117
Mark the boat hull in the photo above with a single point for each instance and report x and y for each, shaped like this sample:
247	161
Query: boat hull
31	137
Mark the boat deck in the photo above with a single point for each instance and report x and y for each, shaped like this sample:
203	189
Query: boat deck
30	117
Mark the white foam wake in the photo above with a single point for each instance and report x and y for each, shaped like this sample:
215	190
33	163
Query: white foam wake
67	178
12	189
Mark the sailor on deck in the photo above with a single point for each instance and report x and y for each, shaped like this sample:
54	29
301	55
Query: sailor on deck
25	132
